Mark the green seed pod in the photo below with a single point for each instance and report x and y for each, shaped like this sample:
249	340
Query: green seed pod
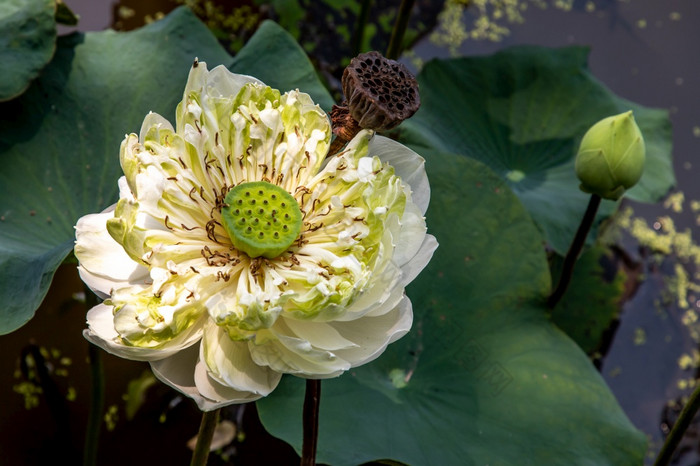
610	159
261	218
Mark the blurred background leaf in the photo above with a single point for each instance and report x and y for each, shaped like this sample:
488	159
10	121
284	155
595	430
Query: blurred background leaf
274	57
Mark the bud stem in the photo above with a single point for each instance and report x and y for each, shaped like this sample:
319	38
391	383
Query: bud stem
312	400
394	50
358	35
575	251
679	428
206	433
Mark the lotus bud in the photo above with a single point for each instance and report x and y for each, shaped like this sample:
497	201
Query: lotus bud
610	159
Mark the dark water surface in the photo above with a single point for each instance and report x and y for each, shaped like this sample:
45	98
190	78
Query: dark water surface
644	50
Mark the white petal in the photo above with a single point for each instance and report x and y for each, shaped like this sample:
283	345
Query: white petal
229	362
291	355
373	334
178	372
407	164
104	264
124	192
411	235
220	395
96	283
222	83
319	334
101	332
385	288
389	303
413	267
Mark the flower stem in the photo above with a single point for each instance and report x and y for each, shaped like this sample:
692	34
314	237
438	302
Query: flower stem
575	251
312	400
92	434
679	428
359	33
206	432
396	41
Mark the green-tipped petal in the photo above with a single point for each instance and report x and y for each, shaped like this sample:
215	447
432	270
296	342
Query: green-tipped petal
101	331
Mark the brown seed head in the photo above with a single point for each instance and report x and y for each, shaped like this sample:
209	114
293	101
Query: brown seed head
380	93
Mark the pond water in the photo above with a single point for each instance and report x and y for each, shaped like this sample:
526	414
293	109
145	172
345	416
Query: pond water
644	50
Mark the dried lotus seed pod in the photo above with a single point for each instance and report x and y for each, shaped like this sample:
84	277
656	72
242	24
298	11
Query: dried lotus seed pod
381	93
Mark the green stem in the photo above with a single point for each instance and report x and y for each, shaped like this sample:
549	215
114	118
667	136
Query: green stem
575	251
396	42
358	35
206	432
97	402
679	428
312	400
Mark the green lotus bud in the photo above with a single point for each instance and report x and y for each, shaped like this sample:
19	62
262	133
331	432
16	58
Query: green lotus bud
610	159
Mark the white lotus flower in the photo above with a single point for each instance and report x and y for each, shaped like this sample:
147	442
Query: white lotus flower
238	252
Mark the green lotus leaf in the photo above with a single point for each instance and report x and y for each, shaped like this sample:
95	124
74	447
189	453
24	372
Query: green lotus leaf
27	43
522	112
483	377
